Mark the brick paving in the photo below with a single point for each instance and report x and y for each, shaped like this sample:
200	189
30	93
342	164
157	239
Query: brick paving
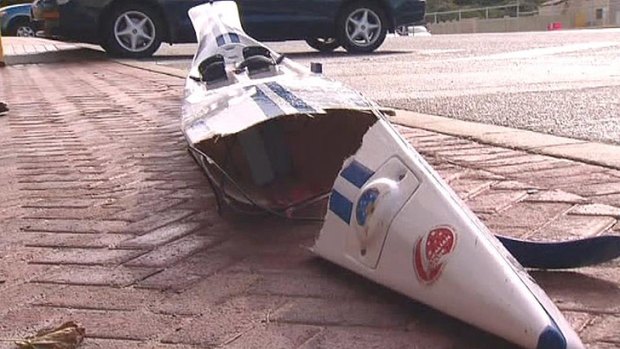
18	50
17	46
107	220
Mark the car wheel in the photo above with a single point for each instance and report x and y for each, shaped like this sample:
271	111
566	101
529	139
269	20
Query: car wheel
362	27
21	28
323	45
134	31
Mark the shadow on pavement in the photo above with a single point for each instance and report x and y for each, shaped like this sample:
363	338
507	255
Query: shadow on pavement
164	58
340	54
577	290
421	321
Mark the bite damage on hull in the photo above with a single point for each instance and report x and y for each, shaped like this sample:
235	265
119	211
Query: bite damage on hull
285	165
274	137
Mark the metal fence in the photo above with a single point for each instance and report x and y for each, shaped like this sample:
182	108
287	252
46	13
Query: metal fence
584	13
509	10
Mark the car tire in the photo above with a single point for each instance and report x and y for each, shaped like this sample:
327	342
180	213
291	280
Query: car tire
133	31
362	27
323	45
21	27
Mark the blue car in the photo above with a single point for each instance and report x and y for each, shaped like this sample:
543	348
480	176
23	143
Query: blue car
15	20
137	28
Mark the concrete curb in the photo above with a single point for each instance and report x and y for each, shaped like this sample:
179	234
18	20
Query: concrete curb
594	153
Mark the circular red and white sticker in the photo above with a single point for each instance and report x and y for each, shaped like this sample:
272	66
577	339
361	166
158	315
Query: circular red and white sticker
430	253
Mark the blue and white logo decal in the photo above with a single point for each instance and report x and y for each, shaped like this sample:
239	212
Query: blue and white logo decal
366	205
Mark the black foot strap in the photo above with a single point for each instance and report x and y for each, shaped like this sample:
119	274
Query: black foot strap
563	255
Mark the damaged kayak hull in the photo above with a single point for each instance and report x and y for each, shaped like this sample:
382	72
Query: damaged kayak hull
432	248
271	134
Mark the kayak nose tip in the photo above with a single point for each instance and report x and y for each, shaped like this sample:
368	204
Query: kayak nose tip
551	338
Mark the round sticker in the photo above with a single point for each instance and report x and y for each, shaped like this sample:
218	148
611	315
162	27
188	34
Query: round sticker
430	253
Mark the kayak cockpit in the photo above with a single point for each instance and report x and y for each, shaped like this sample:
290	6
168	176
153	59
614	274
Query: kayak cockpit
284	163
257	61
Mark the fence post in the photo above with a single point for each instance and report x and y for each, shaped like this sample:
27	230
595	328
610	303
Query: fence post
459	15
487	13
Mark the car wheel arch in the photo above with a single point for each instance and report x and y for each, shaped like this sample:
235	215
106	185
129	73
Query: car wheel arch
113	5
16	21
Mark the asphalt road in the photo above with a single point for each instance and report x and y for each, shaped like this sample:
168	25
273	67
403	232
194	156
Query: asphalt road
565	83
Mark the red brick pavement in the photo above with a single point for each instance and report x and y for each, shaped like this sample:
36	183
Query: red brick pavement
108	221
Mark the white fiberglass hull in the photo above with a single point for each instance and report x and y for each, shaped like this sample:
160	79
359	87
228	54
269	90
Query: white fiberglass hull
394	220
390	217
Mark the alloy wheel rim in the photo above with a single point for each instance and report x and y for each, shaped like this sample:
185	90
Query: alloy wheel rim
25	31
134	31
363	27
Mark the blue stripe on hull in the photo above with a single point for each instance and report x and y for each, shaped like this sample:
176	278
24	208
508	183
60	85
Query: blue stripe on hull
341	206
356	173
269	107
290	98
234	38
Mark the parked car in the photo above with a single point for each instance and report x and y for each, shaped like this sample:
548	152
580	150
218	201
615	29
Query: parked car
137	28
15	20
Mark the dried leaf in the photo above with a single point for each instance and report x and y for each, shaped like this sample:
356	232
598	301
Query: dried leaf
68	336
